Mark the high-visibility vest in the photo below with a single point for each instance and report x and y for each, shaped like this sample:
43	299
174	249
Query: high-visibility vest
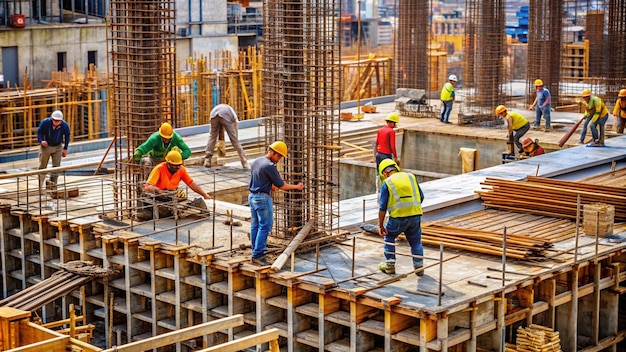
404	197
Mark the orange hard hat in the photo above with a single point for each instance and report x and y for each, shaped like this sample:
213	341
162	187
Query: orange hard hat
279	147
166	130
527	141
500	109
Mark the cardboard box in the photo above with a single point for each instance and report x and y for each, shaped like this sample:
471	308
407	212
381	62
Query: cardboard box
604	219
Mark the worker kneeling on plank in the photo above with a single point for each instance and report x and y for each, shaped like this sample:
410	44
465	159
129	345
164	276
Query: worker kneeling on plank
531	148
163	182
402	197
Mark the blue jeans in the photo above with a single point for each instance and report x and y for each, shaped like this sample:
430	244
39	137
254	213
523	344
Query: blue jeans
411	226
518	134
447	109
583	134
594	128
262	220
546	115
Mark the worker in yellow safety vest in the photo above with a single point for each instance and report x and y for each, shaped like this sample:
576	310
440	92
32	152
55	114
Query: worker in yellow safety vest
401	196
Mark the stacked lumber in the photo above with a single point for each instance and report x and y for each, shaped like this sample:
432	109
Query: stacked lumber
518	246
535	338
555	198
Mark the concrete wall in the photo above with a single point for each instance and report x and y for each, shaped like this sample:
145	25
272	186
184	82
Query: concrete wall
38	45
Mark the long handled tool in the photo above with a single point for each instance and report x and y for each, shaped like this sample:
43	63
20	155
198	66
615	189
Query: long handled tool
571	131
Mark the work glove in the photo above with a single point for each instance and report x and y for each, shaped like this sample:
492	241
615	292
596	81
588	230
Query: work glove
137	156
181	193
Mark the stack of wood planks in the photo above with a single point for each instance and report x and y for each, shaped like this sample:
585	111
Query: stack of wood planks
518	246
555	198
535	338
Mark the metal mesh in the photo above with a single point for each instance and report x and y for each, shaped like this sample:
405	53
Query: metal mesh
545	26
141	37
485	50
411	45
301	80
616	49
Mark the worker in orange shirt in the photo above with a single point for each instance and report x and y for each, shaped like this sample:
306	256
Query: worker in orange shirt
164	180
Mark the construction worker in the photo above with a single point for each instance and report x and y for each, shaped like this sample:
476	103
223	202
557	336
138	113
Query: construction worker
402	197
385	145
619	111
263	179
596	113
517	125
164	180
53	135
541	105
223	116
531	148
447	97
154	149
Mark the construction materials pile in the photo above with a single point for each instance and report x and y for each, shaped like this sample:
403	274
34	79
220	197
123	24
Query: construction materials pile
535	338
555	198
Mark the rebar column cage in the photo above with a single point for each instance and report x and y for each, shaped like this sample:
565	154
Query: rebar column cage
301	80
485	53
545	32
142	53
411	45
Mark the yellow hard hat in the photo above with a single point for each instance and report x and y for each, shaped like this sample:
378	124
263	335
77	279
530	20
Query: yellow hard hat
586	93
174	157
385	164
166	130
500	109
622	93
538	82
393	117
279	147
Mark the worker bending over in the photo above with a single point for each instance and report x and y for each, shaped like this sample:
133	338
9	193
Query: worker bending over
517	124
156	147
531	148
164	180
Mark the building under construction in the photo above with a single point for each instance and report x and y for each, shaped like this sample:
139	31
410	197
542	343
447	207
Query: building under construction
520	254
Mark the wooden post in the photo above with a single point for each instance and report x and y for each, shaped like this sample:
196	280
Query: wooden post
282	258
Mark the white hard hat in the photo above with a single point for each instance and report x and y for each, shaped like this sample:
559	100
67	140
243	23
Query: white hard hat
452	78
57	115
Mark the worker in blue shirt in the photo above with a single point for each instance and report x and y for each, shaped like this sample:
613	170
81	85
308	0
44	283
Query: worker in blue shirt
402	197
53	135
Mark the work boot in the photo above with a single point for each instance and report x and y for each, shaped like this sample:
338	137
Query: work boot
419	273
207	162
50	185
388	267
261	261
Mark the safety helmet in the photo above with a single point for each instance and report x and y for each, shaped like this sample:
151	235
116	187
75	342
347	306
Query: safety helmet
538	82
57	115
174	157
586	93
527	141
452	78
622	93
393	117
385	164
500	109
279	147
166	130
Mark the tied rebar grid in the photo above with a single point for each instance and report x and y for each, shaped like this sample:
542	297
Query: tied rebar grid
485	50
616	49
594	31
301	80
545	32
142	49
411	45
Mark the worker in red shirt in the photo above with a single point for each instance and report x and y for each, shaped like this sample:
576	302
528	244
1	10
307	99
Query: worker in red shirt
385	146
531	148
